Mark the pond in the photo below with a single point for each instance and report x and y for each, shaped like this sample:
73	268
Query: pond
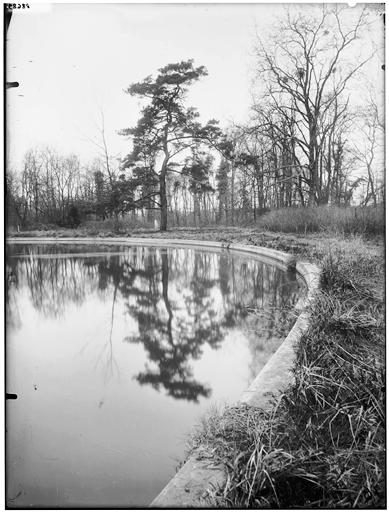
115	352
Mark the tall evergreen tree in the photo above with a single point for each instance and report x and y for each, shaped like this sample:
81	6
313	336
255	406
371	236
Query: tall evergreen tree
167	127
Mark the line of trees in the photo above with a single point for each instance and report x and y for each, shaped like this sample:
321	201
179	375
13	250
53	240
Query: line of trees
307	143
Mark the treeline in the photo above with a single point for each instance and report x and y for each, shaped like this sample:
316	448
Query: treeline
308	142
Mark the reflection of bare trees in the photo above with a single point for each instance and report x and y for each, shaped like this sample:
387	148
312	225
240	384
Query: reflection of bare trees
11	288
53	283
182	301
250	287
107	350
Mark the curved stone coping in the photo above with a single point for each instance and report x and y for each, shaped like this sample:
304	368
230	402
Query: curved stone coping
199	476
270	256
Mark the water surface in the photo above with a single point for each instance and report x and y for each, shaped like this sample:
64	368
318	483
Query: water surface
115	352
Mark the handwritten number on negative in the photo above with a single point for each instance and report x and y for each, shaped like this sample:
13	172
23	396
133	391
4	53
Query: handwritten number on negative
17	6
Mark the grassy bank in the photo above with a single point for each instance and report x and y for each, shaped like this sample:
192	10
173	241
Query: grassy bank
323	443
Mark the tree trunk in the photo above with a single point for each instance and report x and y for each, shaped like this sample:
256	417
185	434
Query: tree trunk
162	182
232	192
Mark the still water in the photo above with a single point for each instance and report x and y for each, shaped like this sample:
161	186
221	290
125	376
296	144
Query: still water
114	354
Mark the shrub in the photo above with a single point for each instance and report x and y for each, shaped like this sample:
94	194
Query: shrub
73	220
117	226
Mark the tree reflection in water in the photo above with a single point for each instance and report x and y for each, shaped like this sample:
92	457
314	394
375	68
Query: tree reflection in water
182	301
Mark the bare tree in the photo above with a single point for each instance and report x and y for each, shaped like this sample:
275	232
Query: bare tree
307	68
368	150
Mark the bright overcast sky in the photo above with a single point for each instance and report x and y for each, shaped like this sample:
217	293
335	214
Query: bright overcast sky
73	59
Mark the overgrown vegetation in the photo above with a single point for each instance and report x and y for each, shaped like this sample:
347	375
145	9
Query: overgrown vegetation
341	221
323	442
365	221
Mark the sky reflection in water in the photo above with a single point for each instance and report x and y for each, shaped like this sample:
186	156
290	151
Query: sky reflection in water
115	355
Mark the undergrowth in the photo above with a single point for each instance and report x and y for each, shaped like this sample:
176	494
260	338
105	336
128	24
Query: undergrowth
322	445
355	220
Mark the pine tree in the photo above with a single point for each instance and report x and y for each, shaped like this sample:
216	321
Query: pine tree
167	127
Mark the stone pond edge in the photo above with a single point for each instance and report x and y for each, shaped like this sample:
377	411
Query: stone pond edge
200	476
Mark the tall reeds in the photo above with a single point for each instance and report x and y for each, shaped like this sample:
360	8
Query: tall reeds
340	221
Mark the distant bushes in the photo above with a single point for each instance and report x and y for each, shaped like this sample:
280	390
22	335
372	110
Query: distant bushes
342	221
365	221
119	226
